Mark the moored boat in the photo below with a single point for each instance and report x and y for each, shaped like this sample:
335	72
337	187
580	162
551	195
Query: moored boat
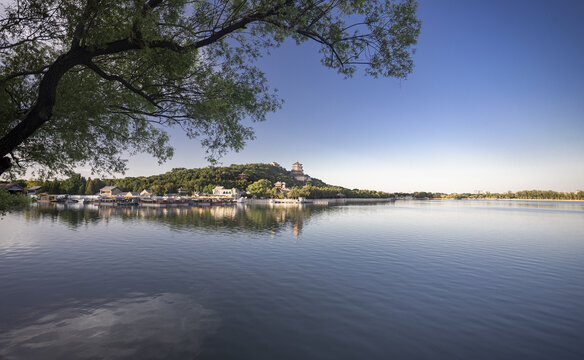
46	198
153	202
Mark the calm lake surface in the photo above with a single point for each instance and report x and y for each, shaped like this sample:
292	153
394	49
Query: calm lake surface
405	280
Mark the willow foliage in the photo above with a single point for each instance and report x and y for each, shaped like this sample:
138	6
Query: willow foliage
84	83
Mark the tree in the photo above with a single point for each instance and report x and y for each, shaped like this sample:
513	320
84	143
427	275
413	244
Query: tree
209	188
10	201
90	187
84	82
169	188
261	188
75	184
294	192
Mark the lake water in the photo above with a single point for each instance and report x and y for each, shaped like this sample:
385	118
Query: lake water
405	280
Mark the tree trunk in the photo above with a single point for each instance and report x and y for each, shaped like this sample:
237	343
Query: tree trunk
42	110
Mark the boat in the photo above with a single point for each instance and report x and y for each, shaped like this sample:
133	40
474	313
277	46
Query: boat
107	201
202	202
153	202
46	198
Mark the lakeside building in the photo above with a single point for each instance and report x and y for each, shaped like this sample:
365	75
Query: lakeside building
12	188
222	191
297	172
110	191
33	190
146	193
281	185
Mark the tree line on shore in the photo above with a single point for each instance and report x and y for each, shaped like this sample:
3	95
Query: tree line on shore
259	180
509	195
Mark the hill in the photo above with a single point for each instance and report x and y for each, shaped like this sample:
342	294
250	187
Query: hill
204	179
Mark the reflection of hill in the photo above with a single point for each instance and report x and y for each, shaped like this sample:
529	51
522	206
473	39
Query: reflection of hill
238	218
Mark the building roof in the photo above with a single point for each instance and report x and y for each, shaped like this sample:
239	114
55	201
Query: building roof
106	188
10	187
297	166
34	187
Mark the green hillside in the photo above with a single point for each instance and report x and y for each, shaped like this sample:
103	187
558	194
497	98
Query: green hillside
204	179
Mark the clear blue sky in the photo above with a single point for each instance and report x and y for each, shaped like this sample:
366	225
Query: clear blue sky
495	102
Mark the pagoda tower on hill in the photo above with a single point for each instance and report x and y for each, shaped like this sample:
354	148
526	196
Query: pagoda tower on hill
298	173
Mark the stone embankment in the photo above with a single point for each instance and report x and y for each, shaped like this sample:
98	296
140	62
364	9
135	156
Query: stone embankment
332	201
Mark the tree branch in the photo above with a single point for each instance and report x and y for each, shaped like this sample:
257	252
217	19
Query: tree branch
91	65
24	73
239	25
80	28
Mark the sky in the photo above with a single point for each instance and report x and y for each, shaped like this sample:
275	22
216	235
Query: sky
495	103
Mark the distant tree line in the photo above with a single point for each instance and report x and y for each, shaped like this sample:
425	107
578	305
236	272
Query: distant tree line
520	195
264	189
74	185
259	180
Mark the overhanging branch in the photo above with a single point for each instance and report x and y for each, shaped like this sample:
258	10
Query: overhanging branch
24	73
91	65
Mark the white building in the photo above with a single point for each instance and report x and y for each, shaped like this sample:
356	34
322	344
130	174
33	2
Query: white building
146	193
221	191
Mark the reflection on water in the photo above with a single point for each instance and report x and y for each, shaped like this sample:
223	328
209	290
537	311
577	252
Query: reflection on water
241	217
162	326
405	280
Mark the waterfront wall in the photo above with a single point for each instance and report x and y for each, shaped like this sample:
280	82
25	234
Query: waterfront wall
331	201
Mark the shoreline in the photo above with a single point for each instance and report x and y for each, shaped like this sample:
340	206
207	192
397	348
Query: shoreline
490	199
325	201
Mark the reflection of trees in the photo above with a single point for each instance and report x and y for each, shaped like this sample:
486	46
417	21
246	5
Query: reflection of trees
249	218
254	218
72	216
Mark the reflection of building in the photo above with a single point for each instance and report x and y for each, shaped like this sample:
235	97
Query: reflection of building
297	228
223	212
298	173
297	225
